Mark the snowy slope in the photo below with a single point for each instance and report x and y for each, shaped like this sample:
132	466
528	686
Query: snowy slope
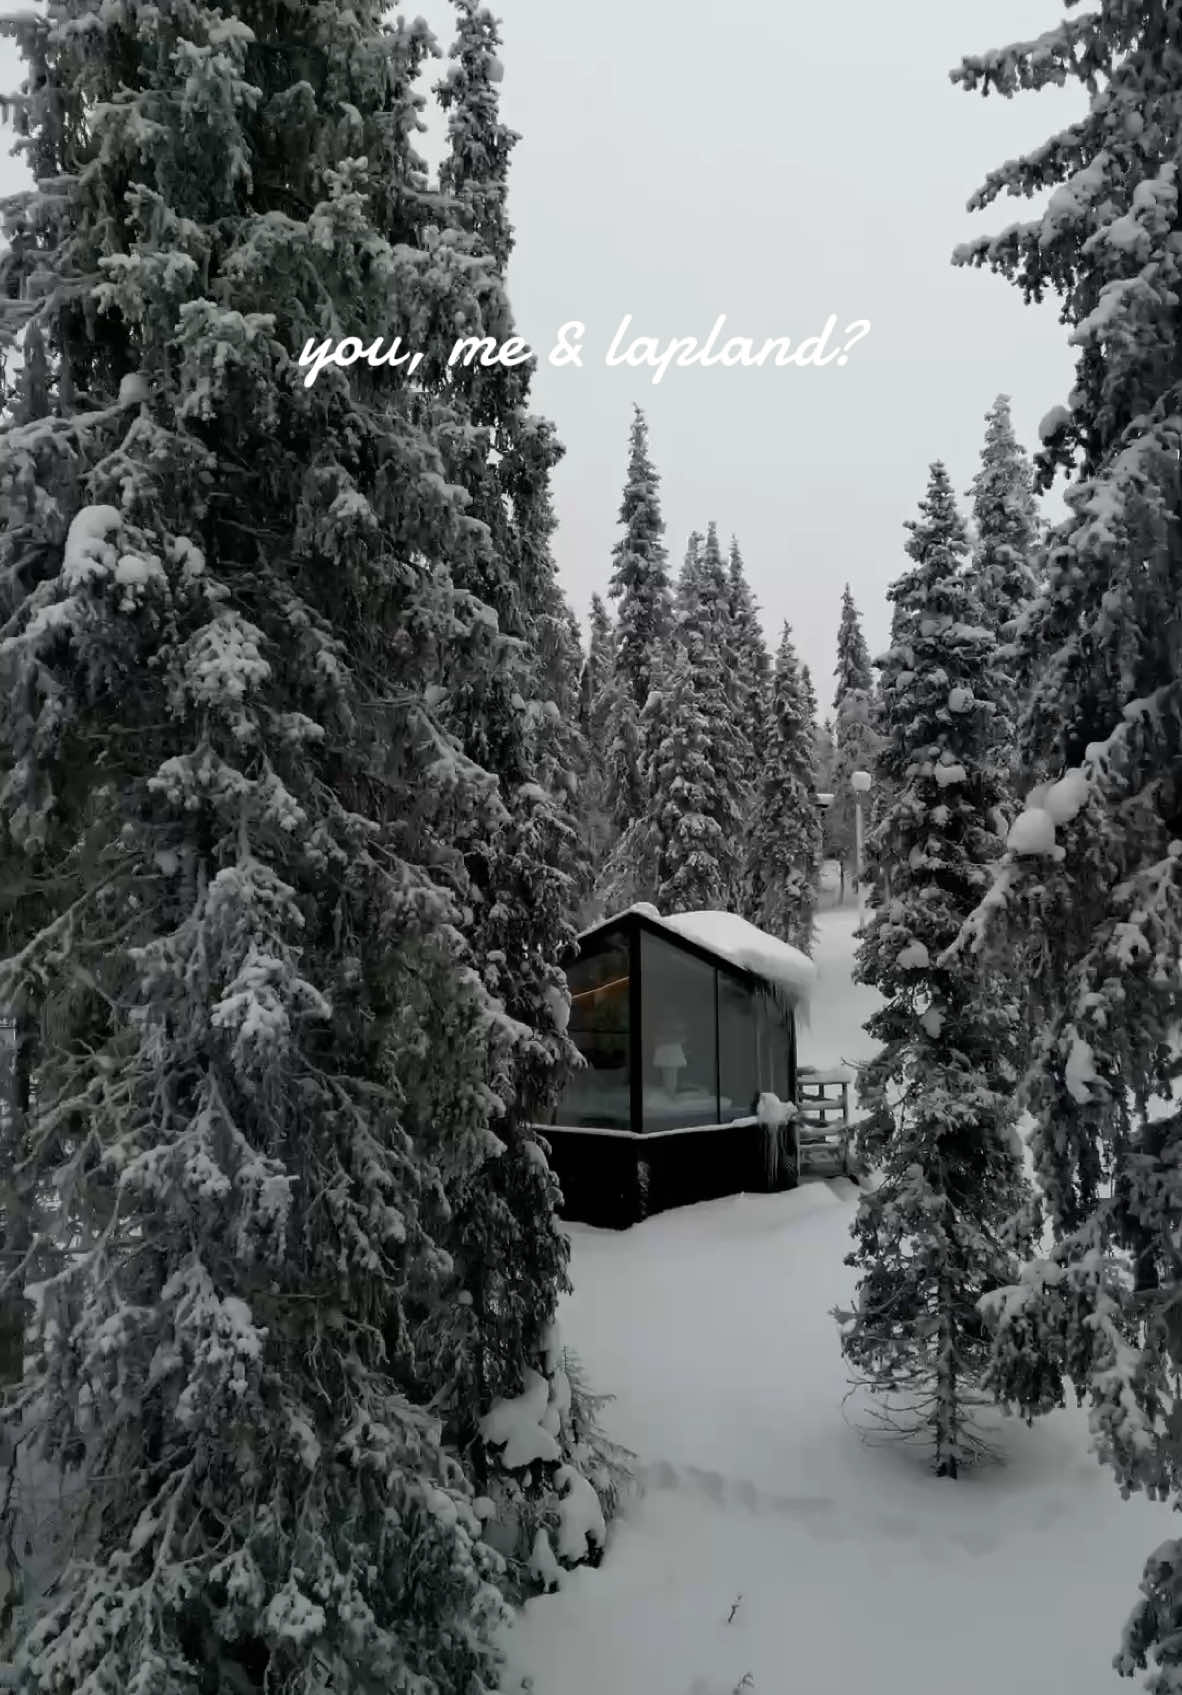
851	1567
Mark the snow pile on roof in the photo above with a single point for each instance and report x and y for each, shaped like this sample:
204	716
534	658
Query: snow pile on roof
751	949
784	968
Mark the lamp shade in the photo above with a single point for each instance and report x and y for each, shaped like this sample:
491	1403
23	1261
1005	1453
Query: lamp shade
669	1056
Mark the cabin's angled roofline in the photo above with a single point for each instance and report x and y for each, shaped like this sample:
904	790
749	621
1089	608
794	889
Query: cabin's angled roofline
737	947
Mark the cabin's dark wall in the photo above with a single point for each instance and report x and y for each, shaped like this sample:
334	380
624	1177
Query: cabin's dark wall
615	1181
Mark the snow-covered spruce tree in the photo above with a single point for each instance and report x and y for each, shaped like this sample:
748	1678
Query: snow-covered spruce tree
595	677
784	847
624	765
700	618
855	738
640	582
852	670
826	753
941	1230
752	665
703	595
520	722
629	870
704	631
596	682
229	598
819	739
877	847
1005	525
1089	899
1005	522
695	820
640	574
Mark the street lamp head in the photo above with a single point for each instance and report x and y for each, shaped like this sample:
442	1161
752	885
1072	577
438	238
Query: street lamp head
860	781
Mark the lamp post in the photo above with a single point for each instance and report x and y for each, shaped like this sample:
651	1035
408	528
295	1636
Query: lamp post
860	783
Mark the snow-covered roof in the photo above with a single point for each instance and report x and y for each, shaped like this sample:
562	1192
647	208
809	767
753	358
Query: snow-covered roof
784	968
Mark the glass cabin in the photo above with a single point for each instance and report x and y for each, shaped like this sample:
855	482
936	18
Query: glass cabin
679	1043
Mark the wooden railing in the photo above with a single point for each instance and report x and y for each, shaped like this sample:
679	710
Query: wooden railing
823	1119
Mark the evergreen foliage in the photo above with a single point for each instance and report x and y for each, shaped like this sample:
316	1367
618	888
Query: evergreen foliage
277	715
1005	522
640	577
695	817
1089	900
752	670
785	843
856	741
940	1230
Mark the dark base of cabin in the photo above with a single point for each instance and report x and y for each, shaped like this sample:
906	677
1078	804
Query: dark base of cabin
617	1181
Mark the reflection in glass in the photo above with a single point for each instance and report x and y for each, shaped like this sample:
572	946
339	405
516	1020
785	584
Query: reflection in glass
773	1040
678	1037
738	1049
598	1095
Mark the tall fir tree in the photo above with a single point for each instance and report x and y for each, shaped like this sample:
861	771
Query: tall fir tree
785	839
855	738
940	1230
826	759
752	665
705	632
695	822
596	685
240	621
529	874
625	779
640	574
703	598
1088	906
681	847
852	671
640	582
1005	542
1005	522
595	679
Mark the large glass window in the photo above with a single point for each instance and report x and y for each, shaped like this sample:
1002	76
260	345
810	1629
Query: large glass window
678	1036
774	1040
598	1095
738	1050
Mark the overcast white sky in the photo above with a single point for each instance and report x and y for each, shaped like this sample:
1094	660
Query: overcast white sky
776	162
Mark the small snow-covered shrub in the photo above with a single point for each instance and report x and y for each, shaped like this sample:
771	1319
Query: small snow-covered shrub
556	1480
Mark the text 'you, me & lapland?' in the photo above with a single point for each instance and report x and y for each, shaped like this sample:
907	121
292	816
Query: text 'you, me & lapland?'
638	352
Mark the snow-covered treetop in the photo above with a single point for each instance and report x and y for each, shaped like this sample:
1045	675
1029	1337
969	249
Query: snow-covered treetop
853	656
640	577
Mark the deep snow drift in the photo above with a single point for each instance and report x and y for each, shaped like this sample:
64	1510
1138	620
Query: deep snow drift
772	1544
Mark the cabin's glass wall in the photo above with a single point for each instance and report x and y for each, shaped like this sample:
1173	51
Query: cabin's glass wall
774	1041
678	1037
599	1095
739	1082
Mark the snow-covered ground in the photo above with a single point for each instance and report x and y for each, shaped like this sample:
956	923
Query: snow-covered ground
773	1552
